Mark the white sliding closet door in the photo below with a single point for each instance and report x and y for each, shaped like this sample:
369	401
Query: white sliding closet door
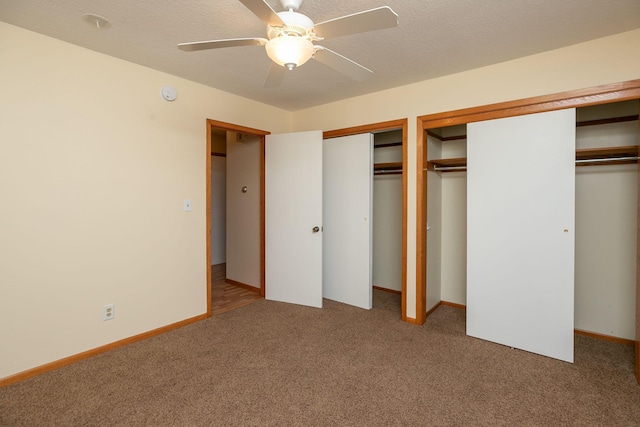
347	208
293	218
520	232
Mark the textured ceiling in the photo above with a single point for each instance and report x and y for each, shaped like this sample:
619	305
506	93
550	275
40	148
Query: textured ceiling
433	38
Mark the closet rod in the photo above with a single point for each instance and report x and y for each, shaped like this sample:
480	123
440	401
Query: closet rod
389	144
387	172
607	159
449	168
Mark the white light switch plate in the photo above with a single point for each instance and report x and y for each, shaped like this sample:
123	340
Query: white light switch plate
187	205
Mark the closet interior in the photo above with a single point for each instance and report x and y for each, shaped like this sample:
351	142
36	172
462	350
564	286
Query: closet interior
387	211
606	221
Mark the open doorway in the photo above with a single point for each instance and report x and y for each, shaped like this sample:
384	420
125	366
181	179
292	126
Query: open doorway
400	128
235	216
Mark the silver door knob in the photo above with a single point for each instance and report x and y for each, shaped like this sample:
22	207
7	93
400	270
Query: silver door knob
316	229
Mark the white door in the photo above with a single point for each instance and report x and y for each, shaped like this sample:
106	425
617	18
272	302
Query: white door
347	208
520	232
293	218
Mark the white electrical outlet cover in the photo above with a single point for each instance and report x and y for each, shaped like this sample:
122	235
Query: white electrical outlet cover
108	312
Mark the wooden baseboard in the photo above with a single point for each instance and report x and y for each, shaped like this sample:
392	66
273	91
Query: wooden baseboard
242	285
433	308
454	305
605	337
392	291
20	376
411	320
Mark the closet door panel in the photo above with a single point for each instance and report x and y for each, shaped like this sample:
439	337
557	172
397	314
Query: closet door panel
347	207
293	218
520	232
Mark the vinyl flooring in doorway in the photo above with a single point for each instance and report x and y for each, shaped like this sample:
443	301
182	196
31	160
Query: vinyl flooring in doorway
225	296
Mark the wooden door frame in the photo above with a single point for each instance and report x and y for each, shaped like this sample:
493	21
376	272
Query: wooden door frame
604	94
380	127
249	131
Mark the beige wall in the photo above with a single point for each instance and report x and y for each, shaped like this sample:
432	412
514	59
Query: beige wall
605	275
218	198
453	205
218	210
95	166
454	236
606	60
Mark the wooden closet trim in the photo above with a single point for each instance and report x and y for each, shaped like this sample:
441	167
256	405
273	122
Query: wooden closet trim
604	94
379	127
571	99
637	343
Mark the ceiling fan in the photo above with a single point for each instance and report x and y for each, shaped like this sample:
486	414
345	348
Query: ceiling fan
291	36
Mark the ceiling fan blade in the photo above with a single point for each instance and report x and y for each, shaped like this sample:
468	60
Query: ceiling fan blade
217	44
341	64
368	20
262	10
275	76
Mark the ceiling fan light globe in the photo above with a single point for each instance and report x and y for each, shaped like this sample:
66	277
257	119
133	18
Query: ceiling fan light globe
289	51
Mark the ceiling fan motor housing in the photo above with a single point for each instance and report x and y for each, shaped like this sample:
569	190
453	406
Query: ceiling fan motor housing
297	24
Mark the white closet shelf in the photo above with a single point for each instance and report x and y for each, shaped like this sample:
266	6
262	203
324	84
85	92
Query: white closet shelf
390	168
599	156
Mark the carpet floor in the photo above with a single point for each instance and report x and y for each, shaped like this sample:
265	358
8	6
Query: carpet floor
275	364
